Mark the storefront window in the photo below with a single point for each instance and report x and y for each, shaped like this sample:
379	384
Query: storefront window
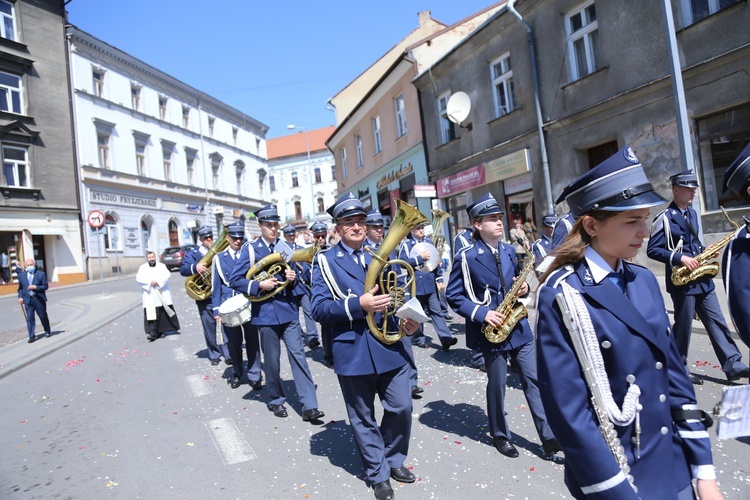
721	139
112	239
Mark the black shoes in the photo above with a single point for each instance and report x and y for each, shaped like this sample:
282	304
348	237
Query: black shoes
151	338
314	344
422	345
448	343
383	491
31	340
312	414
482	368
416	391
234	382
739	375
48	334
279	411
229	361
403	475
256	385
505	447
550	447
215	362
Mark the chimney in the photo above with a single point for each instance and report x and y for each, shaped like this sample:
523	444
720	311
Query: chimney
424	16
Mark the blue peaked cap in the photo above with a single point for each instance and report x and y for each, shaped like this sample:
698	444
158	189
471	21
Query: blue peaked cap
269	213
375	218
318	227
236	229
549	220
289	229
685	178
346	206
205	231
486	205
738	173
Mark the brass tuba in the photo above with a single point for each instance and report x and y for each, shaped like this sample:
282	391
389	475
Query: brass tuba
407	217
507	308
438	218
681	275
198	286
276	263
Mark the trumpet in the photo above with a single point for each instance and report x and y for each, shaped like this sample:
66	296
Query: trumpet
276	263
407	217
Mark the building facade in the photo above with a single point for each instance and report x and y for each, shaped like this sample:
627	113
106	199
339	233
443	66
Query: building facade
158	157
604	83
302	177
39	213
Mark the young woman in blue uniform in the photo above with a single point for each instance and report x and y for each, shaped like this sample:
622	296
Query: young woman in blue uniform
642	390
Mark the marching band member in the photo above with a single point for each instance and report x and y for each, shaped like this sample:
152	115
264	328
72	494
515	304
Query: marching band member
562	227
617	318
480	276
320	234
191	265
302	289
736	262
429	283
543	246
463	239
223	265
674	241
277	319
365	367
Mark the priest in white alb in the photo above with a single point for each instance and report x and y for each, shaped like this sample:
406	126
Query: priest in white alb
159	315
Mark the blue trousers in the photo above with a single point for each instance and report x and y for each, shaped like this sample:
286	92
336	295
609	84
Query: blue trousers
311	328
215	351
707	307
235	336
413	375
270	340
431	305
38	306
497	374
382	447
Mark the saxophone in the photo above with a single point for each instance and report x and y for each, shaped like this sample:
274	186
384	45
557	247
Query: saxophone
681	275
198	286
407	217
512	314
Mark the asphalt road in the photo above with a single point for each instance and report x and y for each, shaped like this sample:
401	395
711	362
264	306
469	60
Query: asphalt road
113	416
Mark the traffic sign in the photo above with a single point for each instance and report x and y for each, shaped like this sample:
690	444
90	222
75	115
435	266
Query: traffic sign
96	219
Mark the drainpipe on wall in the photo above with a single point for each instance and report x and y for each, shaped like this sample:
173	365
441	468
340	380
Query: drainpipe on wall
539	122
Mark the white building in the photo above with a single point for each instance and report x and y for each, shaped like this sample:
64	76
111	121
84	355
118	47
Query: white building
157	156
302	176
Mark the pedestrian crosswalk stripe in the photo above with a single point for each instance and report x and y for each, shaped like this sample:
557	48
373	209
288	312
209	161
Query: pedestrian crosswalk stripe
181	354
197	386
229	441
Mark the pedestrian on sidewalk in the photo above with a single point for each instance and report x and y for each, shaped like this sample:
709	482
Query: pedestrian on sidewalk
159	316
736	262
675	241
32	295
610	375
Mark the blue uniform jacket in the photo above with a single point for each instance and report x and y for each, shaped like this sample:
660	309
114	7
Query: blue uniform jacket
462	240
670	240
561	230
541	248
635	341
189	261
474	289
278	310
338	281
304	274
222	267
735	268
39	279
425	281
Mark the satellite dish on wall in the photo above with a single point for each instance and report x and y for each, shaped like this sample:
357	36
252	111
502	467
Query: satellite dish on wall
458	107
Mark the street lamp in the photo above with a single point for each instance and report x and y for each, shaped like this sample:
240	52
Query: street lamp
309	164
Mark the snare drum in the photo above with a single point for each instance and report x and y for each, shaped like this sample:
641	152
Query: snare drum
235	311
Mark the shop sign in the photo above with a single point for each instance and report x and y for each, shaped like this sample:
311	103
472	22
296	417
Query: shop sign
507	166
395	175
517	184
425	190
463	181
121	199
131	238
194	209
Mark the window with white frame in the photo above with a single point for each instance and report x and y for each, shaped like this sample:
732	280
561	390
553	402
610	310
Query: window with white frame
235	130
102	144
190	160
11	93
696	10
502	85
295	180
140	159
185	116
97	77
211	123
112	238
16	166
400	116
167	158
333	172
344	169
318	177
321	205
271	183
376	134
8	24
447	127
216	161
135	96
239	170
163	107
582	31
360	152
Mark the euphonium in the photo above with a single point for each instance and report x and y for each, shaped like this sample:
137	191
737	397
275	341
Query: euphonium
198	286
438	218
512	314
276	263
681	275
407	217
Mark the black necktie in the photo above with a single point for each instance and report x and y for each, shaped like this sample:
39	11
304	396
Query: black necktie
496	254
271	247
359	257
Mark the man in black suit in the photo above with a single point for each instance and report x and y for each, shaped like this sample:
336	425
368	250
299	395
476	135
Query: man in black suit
32	287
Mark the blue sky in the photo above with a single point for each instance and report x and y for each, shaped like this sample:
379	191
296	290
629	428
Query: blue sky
277	61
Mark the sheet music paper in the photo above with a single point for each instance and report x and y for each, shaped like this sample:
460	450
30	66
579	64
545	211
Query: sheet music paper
734	418
413	310
283	248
